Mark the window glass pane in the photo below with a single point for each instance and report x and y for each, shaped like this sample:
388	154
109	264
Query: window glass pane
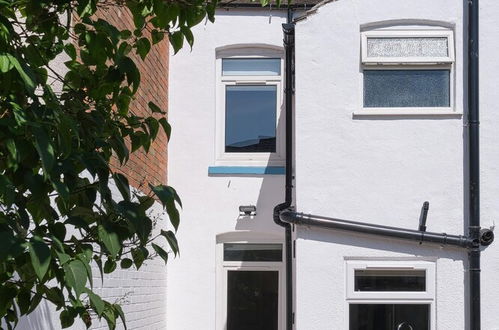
252	300
407	47
406	88
389	317
250	118
252	252
251	66
390	280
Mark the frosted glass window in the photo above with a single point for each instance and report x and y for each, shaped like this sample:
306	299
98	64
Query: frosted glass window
250	118
251	67
406	88
407	47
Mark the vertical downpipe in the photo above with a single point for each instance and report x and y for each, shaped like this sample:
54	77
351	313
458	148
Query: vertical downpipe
288	30
289	40
474	166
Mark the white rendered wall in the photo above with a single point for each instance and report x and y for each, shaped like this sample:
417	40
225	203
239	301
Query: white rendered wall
211	202
381	169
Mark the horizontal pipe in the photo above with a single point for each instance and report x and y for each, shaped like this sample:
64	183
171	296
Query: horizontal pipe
377	230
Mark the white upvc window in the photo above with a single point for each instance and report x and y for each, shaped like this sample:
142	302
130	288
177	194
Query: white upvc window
407	72
390	294
249	105
250	284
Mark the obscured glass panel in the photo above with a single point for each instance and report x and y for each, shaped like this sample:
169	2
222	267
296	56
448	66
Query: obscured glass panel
406	88
407	47
250	118
389	317
252	252
251	66
390	280
252	300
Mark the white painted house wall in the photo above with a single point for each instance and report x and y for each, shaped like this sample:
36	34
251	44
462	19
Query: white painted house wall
380	169
211	201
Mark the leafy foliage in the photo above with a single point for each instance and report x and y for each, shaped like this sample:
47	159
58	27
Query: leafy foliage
57	212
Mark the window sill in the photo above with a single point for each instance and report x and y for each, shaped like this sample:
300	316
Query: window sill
242	170
408	112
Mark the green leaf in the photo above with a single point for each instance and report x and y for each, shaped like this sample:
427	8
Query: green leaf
110	317
154	108
10	246
139	255
40	256
168	196
157	36
166	127
26	75
110	240
162	253
188	35
86	262
67	319
122	184
176	40
44	148
34	302
145	202
164	193
127	67
54	295
96	302
63	258
121	314
153	126
6	62
70	49
76	276
173	214
7	295
126	263
143	47
109	266
24	300
7	191
125	34
172	240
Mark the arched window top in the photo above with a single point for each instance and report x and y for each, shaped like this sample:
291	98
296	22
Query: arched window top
407	24
249	50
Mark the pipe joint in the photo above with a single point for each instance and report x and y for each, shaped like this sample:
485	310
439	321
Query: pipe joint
486	237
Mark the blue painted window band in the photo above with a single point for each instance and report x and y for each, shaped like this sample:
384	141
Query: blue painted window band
276	170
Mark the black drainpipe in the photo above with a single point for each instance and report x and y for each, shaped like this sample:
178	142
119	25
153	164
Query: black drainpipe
477	237
473	167
289	42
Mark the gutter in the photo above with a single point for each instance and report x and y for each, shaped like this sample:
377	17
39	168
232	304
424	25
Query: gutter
476	237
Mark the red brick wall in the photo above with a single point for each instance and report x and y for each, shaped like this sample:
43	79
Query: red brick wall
145	168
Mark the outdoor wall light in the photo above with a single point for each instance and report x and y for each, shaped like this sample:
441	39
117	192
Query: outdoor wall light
247	210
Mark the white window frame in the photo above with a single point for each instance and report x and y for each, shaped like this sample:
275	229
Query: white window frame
223	267
392	297
223	158
409	63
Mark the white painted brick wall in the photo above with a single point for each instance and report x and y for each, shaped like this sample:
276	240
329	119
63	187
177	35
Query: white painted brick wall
142	294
